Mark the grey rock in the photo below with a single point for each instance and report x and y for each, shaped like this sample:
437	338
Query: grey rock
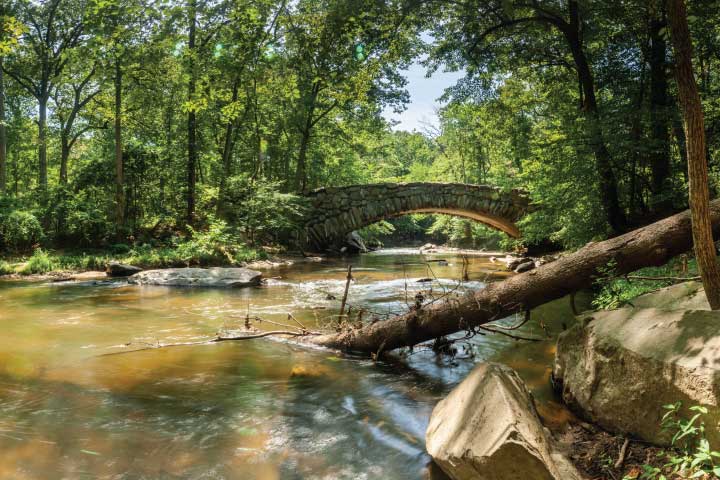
117	269
525	266
354	243
198	277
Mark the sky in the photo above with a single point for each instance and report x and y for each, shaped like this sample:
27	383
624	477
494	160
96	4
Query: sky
424	94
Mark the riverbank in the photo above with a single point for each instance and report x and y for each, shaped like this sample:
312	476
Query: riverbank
66	264
49	265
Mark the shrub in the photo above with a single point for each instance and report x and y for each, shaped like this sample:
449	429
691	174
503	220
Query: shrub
40	262
264	213
6	268
692	456
119	249
19	230
218	244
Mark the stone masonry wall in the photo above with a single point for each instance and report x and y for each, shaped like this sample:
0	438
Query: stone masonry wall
337	211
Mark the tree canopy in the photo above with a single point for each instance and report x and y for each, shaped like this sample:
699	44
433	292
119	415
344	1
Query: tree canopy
127	119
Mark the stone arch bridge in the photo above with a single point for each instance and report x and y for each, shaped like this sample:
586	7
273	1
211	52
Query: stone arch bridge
336	211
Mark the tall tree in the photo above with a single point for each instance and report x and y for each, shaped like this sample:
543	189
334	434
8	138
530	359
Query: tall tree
192	153
340	52
486	37
70	99
53	29
10	30
691	106
659	109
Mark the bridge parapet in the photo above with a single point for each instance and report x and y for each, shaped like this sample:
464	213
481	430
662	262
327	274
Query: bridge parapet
337	211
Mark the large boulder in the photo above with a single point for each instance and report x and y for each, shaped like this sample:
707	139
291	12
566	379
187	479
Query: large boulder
117	269
198	277
488	429
619	368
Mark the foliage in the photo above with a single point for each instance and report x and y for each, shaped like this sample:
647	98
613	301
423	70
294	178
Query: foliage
86	218
617	291
692	456
373	234
216	244
262	211
19	229
40	262
6	268
289	96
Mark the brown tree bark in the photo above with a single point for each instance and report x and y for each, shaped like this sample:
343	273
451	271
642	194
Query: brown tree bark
192	117
652	245
3	133
659	114
119	161
608	183
689	100
42	143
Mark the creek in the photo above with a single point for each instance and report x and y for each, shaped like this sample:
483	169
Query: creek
258	409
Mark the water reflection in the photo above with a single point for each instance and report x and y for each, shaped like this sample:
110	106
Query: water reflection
251	410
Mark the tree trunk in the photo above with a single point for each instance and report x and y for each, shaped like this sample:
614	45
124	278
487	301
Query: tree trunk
608	183
3	133
192	117
659	115
227	152
305	133
301	172
697	162
652	245
64	157
42	143
119	166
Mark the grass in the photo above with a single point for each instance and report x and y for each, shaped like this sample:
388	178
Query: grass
45	261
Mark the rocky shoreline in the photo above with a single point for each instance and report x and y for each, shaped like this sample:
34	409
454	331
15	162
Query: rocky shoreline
618	371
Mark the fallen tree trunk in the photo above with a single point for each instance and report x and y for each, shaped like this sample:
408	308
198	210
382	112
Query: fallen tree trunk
652	245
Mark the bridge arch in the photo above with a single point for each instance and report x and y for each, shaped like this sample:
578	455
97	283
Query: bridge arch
336	211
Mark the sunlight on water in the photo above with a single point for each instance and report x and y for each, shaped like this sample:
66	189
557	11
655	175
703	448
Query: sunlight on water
252	410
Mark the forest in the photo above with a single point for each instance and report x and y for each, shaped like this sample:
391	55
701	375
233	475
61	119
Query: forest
188	187
141	121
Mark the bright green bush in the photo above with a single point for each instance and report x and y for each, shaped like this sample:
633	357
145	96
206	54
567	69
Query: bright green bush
262	212
40	262
691	456
87	220
6	268
217	244
19	230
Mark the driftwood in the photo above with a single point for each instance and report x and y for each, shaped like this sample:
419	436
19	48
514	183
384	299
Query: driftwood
652	245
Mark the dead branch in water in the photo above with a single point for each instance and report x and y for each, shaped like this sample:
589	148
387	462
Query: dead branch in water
217	339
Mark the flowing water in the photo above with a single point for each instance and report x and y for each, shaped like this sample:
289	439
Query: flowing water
257	409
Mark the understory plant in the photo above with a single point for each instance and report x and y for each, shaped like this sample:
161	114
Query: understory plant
615	291
40	262
691	456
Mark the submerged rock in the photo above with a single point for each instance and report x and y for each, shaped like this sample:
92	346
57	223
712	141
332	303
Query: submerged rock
525	266
619	368
198	277
487	428
117	269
